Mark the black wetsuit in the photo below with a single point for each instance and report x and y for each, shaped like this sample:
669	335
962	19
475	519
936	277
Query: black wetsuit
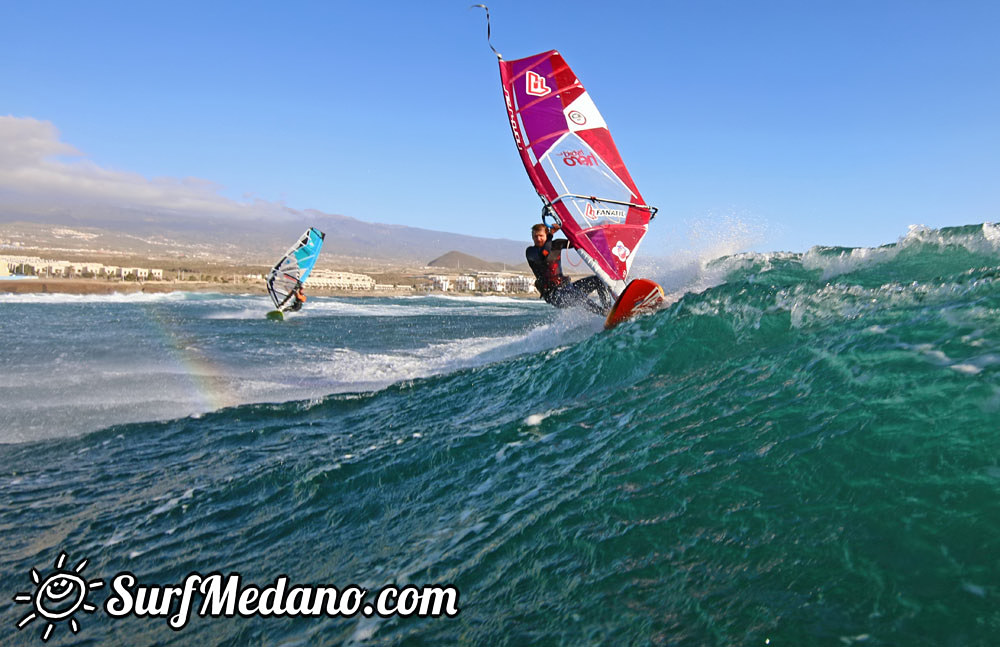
557	288
295	305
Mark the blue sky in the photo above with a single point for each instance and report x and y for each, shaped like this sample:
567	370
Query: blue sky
802	123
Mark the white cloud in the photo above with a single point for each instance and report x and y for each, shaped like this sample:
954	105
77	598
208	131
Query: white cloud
37	168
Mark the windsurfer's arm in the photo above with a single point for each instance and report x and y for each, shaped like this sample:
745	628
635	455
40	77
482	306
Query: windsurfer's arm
564	244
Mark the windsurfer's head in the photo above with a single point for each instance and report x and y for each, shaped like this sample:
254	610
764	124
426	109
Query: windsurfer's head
539	234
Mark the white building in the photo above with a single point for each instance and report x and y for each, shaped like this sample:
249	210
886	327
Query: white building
492	283
520	283
21	264
501	282
340	280
465	283
440	282
58	268
88	268
139	273
26	264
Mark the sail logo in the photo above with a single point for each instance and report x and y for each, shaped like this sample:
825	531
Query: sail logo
621	251
513	118
578	158
615	215
535	85
577	117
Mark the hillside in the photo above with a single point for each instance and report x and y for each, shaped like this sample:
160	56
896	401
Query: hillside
243	240
459	261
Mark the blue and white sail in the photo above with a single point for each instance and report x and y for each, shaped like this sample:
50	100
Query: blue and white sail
294	267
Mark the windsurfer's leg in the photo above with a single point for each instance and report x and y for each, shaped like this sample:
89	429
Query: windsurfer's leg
565	296
568	296
591	284
587	284
554	298
607	296
596	308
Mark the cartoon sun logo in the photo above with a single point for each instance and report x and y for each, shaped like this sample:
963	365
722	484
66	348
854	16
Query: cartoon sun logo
58	596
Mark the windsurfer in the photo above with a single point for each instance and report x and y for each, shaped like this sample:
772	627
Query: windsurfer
298	299
545	260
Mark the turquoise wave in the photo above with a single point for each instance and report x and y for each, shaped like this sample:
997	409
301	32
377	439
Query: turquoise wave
805	453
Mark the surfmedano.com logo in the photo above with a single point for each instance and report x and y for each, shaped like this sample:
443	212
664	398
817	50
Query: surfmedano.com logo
58	596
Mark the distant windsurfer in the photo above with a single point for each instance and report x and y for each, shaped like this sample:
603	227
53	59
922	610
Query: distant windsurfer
545	260
284	282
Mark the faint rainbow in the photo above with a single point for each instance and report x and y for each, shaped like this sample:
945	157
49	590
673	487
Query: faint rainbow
206	379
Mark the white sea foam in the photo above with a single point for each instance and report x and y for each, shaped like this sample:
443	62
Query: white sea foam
251	308
819	258
716	251
116	297
469	298
982	240
168	365
423	306
172	501
536	419
345	369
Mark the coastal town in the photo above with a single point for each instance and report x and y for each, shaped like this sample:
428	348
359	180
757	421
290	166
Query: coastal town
97	274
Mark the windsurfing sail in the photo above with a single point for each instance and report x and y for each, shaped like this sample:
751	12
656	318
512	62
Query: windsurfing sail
574	164
294	267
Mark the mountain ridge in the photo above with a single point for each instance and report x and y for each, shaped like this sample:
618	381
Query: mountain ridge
250	239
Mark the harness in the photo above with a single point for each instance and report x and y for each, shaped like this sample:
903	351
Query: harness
546	263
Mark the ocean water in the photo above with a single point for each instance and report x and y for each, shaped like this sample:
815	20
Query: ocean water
801	449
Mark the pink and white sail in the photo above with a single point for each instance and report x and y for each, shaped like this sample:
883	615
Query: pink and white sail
574	164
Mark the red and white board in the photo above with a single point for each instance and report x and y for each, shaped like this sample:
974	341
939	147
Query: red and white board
641	296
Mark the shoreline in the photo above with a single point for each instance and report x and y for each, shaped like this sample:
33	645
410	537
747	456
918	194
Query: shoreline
92	286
